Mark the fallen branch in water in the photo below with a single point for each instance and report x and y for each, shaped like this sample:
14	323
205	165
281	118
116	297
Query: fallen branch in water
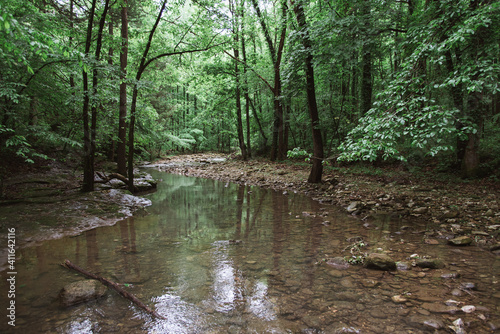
106	179
113	285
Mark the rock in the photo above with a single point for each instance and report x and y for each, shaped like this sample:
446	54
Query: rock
403	265
450	214
495	247
353	206
398	299
468	286
420	210
468	308
460	241
489	213
440	308
426	322
380	262
80	292
450	275
338	263
430	263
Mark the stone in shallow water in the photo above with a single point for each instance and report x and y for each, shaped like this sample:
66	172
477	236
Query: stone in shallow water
440	308
430	263
80	292
460	241
380	262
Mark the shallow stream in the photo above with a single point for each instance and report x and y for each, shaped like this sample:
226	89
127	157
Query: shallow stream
226	258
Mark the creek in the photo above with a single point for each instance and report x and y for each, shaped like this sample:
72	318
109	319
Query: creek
216	257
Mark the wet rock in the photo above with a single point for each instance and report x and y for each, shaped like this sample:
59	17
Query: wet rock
460	241
338	263
494	325
401	265
378	313
450	275
468	286
430	263
420	210
468	308
80	292
398	299
380	262
450	214
440	308
495	247
353	206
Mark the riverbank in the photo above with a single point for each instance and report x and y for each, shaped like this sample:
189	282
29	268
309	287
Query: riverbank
449	206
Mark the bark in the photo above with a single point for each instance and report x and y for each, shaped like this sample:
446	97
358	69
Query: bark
317	159
366	71
88	168
236	51
69	265
93	124
140	71
277	145
121	153
245	85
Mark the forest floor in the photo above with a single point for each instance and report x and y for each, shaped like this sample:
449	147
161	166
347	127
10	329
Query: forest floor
448	205
44	201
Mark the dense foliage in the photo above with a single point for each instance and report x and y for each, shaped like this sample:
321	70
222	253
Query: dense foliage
415	80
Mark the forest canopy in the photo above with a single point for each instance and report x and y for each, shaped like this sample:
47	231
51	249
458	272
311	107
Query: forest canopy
415	81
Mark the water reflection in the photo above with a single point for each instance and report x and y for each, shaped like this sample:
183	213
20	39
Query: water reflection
224	258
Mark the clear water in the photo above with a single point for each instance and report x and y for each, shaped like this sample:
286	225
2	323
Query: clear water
225	258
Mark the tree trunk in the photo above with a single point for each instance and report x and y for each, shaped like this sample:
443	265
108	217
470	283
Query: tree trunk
140	71
121	153
317	159
245	85
277	145
366	63
88	167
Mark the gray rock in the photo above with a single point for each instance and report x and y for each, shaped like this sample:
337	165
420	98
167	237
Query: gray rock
81	292
380	262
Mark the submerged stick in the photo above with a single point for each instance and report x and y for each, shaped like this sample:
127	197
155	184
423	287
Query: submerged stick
113	285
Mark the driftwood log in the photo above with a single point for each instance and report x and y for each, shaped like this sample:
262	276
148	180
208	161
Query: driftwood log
112	285
106	179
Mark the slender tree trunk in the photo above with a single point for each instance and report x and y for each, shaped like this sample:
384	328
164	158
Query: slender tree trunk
140	71
366	63
245	85
317	159
88	167
277	145
121	153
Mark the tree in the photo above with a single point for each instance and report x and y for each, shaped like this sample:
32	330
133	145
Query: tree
121	154
278	146
317	158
